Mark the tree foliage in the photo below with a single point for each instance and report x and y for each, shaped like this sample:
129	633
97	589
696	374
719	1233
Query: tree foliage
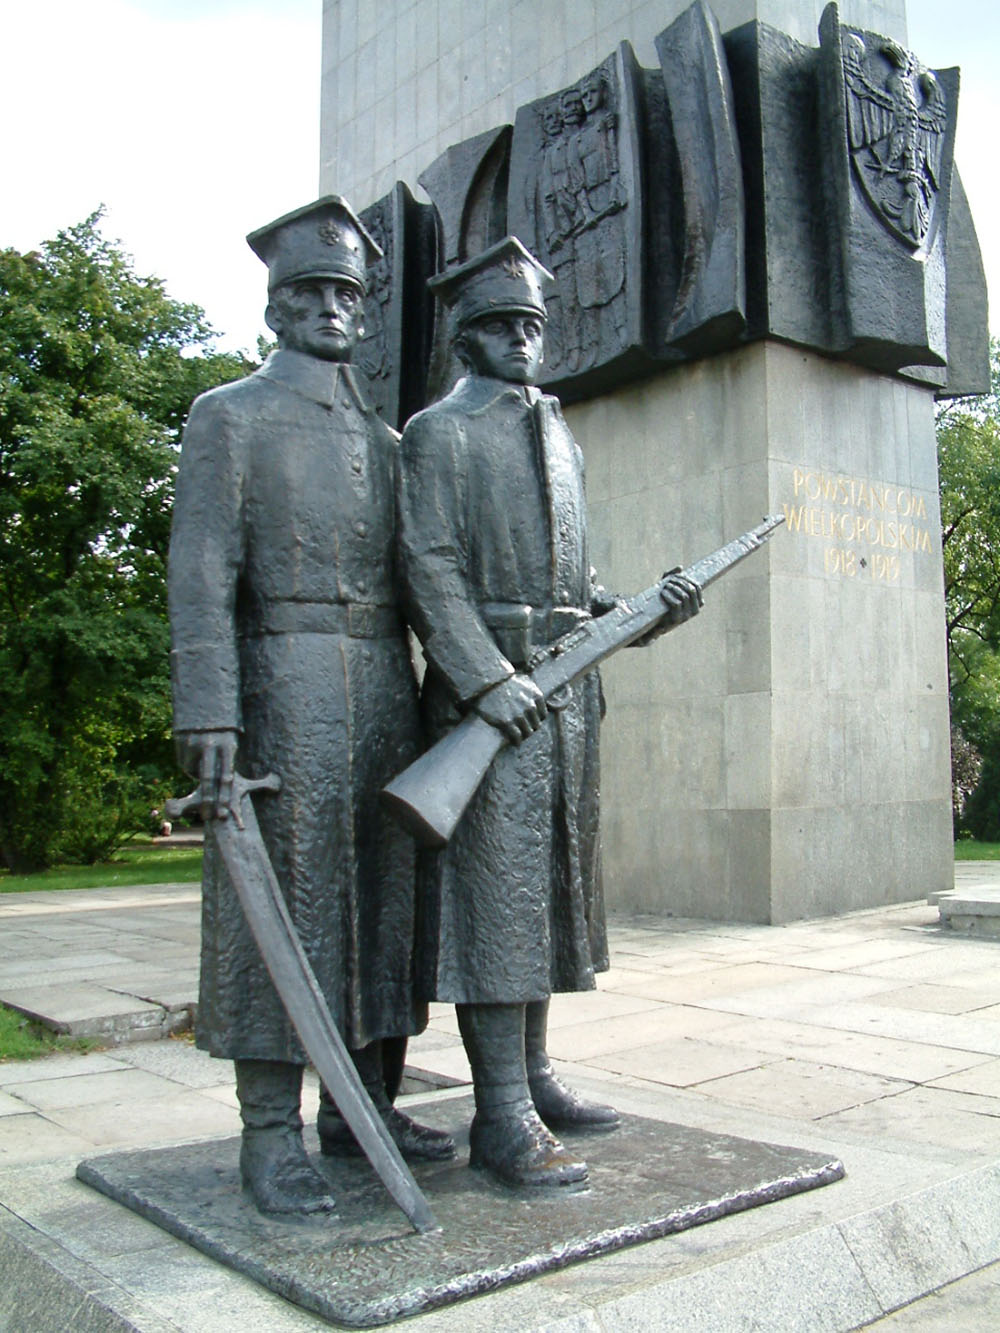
969	463
98	367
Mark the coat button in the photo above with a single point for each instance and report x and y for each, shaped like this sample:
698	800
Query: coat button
361	528
363	587
356	464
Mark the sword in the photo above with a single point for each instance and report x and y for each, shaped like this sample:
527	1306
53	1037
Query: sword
252	876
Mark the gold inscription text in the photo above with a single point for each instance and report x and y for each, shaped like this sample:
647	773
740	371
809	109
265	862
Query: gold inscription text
849	512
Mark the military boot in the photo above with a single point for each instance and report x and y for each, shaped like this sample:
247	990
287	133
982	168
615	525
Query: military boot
507	1138
415	1142
560	1107
274	1166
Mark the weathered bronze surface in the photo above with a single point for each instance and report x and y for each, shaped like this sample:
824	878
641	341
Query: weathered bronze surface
889	137
394	349
251	875
364	1267
495	565
697	240
290	656
576	201
752	186
431	795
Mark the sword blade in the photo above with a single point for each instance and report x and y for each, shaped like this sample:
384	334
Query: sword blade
252	876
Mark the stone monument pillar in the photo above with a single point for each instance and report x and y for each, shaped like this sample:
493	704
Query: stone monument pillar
787	755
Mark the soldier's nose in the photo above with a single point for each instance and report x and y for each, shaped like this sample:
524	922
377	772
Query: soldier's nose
328	299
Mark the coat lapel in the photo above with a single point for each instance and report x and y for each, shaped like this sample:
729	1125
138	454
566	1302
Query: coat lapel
564	505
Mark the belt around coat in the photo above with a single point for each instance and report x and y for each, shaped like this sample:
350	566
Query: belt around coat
355	620
518	628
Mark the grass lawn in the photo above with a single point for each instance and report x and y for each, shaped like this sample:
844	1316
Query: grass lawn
141	862
23	1039
967	850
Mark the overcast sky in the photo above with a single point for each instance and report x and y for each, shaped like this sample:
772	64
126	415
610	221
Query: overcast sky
194	121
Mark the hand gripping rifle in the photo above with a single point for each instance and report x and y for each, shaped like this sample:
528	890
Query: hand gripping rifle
430	796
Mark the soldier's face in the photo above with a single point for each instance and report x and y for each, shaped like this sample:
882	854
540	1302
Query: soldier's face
505	347
322	317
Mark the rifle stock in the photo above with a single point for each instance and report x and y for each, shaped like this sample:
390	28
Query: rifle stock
430	796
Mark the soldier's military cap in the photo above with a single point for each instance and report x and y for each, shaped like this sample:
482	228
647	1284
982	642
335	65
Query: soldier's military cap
325	239
505	279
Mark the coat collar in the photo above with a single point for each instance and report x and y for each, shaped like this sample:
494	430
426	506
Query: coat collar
477	393
312	377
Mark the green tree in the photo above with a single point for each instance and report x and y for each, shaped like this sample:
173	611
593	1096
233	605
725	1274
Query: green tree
98	367
968	434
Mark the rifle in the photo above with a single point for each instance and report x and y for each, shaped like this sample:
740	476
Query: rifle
430	796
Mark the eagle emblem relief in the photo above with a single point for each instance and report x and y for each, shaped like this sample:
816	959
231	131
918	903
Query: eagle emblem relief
897	116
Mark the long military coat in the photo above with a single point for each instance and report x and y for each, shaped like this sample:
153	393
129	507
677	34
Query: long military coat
283	614
492	519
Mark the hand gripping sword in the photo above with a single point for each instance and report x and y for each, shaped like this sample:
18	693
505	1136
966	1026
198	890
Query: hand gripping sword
252	875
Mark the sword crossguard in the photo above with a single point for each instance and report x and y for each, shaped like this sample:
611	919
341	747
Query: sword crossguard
180	805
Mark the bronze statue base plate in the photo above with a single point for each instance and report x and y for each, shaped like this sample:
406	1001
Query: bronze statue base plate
364	1266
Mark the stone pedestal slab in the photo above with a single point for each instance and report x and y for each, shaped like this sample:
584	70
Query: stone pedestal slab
366	1267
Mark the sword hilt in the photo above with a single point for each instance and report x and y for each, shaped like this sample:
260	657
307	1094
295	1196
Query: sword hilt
180	805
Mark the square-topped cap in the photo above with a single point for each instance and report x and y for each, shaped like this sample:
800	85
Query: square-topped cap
325	239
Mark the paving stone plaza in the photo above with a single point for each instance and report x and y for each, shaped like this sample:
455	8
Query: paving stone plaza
873	1036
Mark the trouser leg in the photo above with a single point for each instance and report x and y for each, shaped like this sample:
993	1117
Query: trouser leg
274	1165
507	1138
414	1141
560	1107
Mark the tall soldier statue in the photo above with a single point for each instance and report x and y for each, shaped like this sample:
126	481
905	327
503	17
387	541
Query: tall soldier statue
494	547
289	655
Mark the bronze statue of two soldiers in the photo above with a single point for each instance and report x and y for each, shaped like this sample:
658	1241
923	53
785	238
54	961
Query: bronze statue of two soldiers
306	537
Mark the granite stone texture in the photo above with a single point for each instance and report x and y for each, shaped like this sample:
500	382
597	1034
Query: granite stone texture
798	730
397	92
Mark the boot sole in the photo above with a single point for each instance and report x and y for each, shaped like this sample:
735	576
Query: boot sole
542	1182
336	1148
581	1126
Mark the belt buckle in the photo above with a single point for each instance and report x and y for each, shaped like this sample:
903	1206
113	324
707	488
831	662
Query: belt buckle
360	621
563	619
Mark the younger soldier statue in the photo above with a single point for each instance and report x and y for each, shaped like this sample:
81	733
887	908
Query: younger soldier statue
494	548
289	655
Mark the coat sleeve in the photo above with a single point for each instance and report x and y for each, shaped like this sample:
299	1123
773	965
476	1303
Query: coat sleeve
206	555
434	546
